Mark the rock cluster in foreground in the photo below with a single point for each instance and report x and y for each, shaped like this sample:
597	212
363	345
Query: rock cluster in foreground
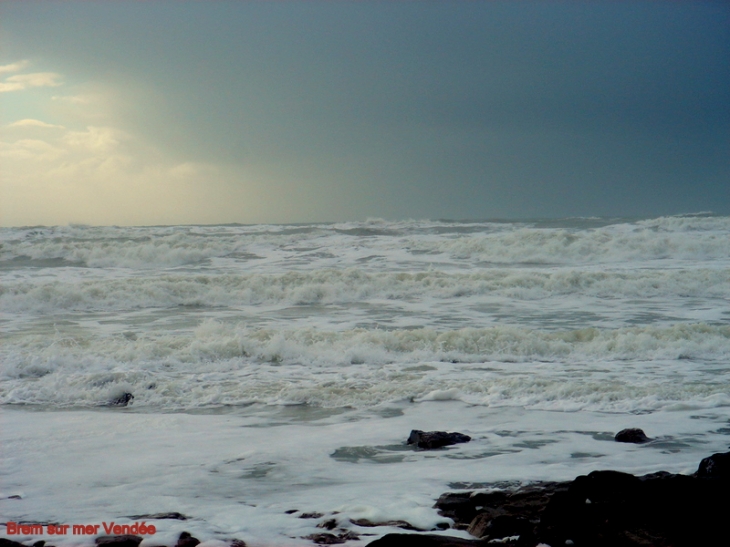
601	509
185	540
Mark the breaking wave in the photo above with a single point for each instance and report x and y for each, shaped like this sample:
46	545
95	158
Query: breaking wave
354	285
688	237
223	364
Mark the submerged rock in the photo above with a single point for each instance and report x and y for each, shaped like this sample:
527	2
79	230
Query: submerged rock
435	439
159	516
332	539
312	515
123	400
631	435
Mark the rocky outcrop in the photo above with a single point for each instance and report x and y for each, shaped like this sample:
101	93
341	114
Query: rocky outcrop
601	509
435	439
716	466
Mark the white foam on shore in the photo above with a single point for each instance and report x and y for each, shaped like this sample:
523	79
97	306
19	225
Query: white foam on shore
237	474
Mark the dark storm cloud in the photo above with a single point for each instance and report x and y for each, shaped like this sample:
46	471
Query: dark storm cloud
440	109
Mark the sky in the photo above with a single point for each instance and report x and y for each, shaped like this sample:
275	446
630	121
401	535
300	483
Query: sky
193	112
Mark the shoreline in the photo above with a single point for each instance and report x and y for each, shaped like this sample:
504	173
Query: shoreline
604	508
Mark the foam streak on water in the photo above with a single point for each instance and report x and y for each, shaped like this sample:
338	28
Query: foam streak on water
327	343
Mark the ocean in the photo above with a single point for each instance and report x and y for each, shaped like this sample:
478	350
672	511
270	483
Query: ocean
278	370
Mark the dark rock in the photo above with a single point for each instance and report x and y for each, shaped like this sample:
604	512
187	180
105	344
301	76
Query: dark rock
633	435
603	509
457	506
40	543
525	501
160	516
423	540
605	486
595	510
716	466
123	400
126	540
238	543
332	539
4	542
435	439
324	539
365	523
186	540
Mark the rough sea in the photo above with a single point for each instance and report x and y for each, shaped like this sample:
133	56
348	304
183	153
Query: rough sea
278	369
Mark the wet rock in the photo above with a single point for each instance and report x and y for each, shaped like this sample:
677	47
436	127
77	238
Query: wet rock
423	540
329	524
716	466
238	543
435	439
160	516
501	526
601	509
605	487
125	540
632	435
186	540
4	542
458	506
595	510
332	539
